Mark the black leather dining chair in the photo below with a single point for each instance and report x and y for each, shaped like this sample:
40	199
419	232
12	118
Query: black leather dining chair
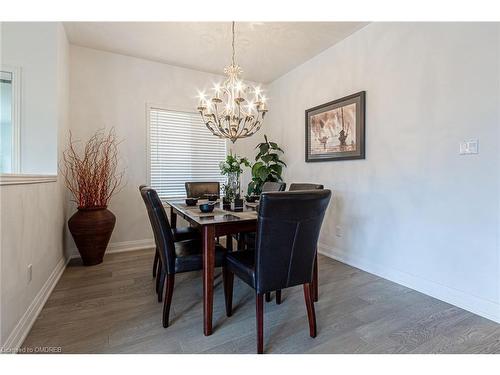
315	287
175	257
179	234
288	228
200	189
247	240
155	261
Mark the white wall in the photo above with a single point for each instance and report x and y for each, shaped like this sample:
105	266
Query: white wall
24	45
32	215
109	90
414	211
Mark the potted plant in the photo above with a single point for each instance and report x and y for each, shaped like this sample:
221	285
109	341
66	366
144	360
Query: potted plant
91	176
232	167
268	166
227	197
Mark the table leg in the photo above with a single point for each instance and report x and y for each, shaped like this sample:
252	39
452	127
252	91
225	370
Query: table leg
173	218
208	233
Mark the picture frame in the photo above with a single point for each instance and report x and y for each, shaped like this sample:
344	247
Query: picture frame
336	130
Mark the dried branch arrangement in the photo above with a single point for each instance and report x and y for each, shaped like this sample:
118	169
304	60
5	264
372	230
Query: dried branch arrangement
91	174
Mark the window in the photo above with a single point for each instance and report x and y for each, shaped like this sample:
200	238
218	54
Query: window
181	149
9	120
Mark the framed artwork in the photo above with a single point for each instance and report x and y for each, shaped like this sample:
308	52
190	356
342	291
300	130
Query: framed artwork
336	130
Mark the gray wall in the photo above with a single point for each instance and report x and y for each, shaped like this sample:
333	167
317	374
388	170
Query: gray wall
415	211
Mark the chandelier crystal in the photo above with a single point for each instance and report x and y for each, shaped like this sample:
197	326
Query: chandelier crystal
236	110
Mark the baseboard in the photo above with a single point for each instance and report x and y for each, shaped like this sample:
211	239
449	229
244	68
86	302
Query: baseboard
479	306
23	327
120	247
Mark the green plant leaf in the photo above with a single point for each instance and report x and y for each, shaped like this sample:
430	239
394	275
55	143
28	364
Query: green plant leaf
274	146
277	168
256	167
251	188
264	148
262	173
267	158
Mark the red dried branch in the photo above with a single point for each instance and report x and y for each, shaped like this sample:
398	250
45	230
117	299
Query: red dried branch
91	175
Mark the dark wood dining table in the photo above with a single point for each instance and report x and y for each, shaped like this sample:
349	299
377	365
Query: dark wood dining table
220	222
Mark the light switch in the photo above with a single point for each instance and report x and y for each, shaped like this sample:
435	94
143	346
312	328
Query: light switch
469	147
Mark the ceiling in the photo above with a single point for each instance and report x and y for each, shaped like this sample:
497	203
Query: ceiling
265	50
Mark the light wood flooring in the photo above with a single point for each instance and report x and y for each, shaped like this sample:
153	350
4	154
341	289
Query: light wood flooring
112	308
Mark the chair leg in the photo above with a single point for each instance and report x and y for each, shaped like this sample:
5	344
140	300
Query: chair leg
260	322
158	271
315	280
228	280
160	280
311	314
278	297
155	263
168	298
268	296
241	242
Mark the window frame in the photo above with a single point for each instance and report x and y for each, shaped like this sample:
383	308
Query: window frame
149	107
15	118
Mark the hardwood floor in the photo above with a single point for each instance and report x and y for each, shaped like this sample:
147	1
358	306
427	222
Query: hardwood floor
111	308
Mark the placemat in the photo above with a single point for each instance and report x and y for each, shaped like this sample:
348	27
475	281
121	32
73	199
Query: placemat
196	212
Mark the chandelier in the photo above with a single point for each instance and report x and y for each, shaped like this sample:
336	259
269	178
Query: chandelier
236	110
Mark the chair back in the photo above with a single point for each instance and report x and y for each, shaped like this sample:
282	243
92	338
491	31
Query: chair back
304	186
161	228
142	186
287	235
199	189
269	186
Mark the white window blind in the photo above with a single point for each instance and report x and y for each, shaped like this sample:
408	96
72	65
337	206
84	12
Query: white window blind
182	149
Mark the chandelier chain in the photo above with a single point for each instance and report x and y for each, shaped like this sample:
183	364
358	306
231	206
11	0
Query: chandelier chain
233	43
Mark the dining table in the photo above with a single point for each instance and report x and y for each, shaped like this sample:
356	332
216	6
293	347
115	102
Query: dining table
222	221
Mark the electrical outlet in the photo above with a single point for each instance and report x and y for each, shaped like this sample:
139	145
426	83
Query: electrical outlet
30	272
338	231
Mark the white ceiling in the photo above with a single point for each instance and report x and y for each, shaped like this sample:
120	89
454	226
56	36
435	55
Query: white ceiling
265	50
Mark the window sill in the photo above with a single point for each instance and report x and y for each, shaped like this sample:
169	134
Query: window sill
21	179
